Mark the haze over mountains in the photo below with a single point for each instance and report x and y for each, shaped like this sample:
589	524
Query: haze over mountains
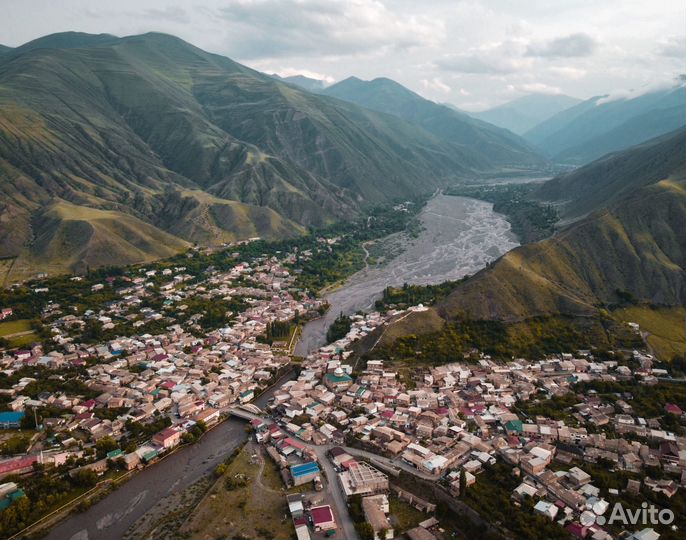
524	113
485	142
604	124
566	130
632	243
200	147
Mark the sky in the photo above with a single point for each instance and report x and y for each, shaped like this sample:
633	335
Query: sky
472	54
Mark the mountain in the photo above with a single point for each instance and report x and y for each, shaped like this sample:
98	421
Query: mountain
610	178
194	144
633	247
4	49
600	125
524	113
306	83
487	144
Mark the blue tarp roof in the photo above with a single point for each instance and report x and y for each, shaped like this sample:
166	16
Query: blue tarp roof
304	469
10	416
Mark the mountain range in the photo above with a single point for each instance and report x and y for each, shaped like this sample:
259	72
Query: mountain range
524	113
604	124
485	142
197	147
630	245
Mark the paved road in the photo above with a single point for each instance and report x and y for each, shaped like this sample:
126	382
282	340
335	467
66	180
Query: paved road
335	491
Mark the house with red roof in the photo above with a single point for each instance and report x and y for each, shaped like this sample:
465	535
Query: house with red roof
322	518
673	408
167	438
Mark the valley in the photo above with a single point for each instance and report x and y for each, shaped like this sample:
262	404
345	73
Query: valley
458	237
240	299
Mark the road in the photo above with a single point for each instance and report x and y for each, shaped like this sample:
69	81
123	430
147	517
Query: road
335	491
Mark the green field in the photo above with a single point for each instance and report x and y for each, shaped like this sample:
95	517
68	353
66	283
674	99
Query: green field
14	327
17	333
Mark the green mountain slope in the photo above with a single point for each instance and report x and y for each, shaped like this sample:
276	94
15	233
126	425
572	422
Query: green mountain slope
72	238
634	247
524	113
490	146
597	126
610	178
155	128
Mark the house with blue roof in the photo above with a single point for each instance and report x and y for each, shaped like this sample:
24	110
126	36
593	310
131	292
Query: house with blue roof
11	419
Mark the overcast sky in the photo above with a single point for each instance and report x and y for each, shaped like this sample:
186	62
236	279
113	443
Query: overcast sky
474	54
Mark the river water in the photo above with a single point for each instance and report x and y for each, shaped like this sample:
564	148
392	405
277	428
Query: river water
460	236
110	518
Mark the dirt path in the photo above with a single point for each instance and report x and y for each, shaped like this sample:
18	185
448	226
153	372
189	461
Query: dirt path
259	475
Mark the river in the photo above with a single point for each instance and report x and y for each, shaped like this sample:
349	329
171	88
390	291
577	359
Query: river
460	236
110	518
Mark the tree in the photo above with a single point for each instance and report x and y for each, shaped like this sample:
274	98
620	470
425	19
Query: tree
463	483
85	478
105	445
365	531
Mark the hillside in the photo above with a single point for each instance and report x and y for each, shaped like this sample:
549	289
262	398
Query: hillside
490	146
600	125
74	238
136	124
632	249
524	113
610	178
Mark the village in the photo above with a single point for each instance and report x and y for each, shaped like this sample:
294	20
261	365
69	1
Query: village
347	428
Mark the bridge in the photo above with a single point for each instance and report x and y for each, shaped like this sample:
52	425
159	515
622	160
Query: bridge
247	412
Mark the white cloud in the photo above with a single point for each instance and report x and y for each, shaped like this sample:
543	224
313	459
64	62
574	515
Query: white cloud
436	84
571	46
672	47
633	93
568	72
490	59
290	72
477	48
539	88
276	28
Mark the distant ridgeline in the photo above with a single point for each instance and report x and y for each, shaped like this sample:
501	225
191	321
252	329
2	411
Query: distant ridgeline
124	150
620	257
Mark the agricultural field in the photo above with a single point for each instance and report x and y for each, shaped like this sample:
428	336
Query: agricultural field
17	333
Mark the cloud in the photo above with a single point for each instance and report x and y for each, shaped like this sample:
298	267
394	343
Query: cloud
170	13
633	93
572	46
290	72
260	29
436	84
498	58
672	47
568	72
539	88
